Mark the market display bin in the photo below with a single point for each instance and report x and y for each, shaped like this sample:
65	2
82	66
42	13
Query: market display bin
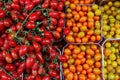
110	19
97	27
111	59
88	45
60	63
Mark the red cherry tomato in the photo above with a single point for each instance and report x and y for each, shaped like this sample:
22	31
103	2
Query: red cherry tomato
23	50
62	58
2	13
10	67
29	62
61	23
60	6
54	4
40	57
29	6
66	30
30	25
54	14
46	78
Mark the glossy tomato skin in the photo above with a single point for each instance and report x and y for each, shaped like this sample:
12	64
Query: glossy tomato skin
53	73
31	48
16	1
40	57
10	67
51	65
36	46
21	68
29	6
52	27
54	14
29	62
30	25
8	7
12	43
2	13
8	58
45	5
31	77
61	23
37	38
47	34
66	30
62	58
15	74
13	28
36	1
46	78
35	66
60	6
15	6
38	77
57	35
53	4
23	50
14	54
7	22
4	76
54	21
22	2
41	70
45	41
27	1
53	55
18	26
33	17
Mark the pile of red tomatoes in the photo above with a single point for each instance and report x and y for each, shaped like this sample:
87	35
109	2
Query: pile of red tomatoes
28	29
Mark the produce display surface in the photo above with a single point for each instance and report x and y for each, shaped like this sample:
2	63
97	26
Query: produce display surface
59	39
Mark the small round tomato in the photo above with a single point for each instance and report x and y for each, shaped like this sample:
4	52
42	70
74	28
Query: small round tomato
36	1
33	17
53	73
30	25
60	6
62	58
10	67
23	50
8	58
14	54
2	13
46	78
29	6
15	6
38	77
53	4
36	46
29	62
61	23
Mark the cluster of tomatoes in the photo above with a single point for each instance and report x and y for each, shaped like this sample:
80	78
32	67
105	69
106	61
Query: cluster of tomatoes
82	24
67	2
83	62
111	19
112	60
27	30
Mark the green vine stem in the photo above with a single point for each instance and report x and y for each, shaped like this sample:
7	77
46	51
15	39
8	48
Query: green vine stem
25	21
8	73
